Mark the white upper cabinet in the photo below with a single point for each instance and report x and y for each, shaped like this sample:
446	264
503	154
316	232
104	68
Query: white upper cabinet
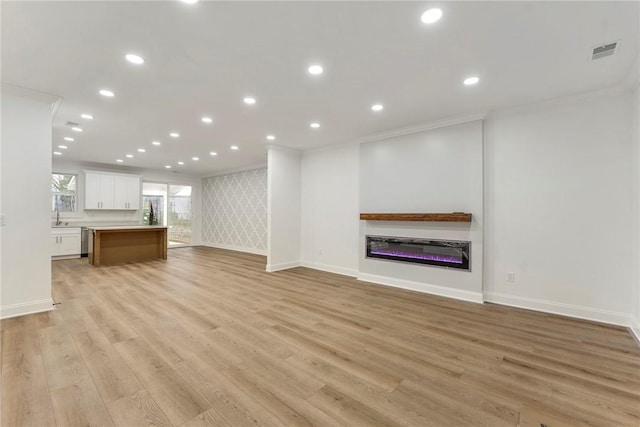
111	191
126	192
99	191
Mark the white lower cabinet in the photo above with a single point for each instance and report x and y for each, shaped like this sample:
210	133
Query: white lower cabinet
65	242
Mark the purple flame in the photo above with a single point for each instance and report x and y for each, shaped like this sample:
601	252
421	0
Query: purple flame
430	257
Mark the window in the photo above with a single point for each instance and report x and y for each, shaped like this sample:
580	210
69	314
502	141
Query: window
64	197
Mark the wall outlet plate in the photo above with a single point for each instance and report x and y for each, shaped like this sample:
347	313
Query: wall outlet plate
511	277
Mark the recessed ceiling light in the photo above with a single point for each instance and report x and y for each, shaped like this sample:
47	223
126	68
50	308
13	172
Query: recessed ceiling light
213	153
107	93
471	81
68	138
207	120
119	160
271	137
234	147
57	153
130	156
168	166
174	135
134	59
76	129
64	147
181	163
156	142
315	69
86	116
195	158
189	1
377	107
141	150
431	16
315	125
249	100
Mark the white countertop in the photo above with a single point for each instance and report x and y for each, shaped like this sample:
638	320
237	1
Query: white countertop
85	224
124	227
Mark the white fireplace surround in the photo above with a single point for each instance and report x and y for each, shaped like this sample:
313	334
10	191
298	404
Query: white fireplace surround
437	170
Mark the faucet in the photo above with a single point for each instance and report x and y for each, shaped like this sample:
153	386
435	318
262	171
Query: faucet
58	222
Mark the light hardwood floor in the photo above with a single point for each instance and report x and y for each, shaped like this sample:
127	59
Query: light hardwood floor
208	338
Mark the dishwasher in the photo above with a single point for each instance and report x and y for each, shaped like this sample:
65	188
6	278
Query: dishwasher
84	242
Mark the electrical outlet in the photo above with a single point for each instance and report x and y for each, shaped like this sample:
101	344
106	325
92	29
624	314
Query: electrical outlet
2	220
511	277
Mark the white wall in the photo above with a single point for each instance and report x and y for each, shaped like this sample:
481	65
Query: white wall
284	208
234	211
26	179
438	170
635	121
558	198
330	209
83	217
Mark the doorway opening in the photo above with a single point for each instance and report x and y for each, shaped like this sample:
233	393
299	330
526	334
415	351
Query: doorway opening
168	205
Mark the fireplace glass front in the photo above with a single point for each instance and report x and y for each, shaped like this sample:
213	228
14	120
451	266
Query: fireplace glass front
442	253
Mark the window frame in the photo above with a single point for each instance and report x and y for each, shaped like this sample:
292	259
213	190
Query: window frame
79	210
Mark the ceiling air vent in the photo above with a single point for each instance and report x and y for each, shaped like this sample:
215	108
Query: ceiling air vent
604	50
70	123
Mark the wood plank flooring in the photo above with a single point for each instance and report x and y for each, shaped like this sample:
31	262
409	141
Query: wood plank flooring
207	338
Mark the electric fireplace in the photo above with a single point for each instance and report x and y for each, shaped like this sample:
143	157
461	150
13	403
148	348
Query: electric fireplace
443	253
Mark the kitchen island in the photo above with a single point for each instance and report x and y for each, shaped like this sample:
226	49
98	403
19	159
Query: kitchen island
121	244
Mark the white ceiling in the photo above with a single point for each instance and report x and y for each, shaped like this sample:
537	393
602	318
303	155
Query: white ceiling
203	59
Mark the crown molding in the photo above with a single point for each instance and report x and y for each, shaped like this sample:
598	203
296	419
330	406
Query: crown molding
456	120
278	147
329	147
235	170
35	95
617	89
632	78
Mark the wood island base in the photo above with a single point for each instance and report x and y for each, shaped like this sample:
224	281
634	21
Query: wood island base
118	245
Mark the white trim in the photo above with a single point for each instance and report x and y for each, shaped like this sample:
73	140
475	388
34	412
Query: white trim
97	172
48	98
633	76
423	287
330	268
236	170
634	329
285	149
234	248
313	150
456	120
614	90
579	312
269	203
15	310
57	257
282	266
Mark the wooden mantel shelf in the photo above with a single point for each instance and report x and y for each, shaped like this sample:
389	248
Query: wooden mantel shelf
440	217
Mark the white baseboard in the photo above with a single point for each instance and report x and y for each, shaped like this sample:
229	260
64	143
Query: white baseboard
282	266
635	330
330	268
235	248
579	312
32	307
423	287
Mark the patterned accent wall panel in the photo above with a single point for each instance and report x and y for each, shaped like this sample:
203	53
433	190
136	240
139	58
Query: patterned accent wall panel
234	210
